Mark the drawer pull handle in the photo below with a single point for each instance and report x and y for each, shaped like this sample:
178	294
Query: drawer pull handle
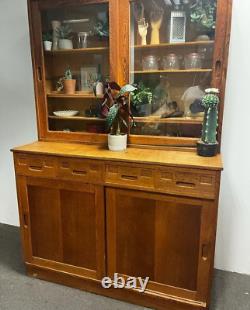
185	184
129	177
79	172
36	168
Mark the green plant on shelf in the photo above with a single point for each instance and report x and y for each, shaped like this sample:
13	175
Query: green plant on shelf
64	32
67	76
210	102
142	95
203	13
47	36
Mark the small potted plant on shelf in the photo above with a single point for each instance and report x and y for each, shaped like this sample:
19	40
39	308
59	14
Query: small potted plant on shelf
64	34
203	15
116	101
47	41
141	100
208	144
69	84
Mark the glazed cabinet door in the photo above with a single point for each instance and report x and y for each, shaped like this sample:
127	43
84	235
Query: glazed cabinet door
62	225
168	239
72	44
175	50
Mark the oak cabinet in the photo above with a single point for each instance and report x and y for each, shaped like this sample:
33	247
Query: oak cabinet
168	239
63	225
88	213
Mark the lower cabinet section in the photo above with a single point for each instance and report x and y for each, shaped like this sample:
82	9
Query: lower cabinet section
76	233
165	238
63	222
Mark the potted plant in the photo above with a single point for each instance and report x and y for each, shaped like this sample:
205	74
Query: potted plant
141	100
47	41
66	83
208	144
64	34
116	100
203	14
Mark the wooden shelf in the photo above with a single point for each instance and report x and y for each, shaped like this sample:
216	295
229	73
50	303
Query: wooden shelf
75	96
163	45
173	120
171	71
78	51
78	118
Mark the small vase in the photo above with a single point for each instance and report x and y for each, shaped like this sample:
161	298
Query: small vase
117	142
69	87
65	44
99	89
55	25
47	45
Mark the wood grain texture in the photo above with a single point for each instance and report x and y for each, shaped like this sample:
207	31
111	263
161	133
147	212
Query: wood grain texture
136	155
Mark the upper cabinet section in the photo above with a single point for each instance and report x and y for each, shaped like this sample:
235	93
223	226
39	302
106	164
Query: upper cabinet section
77	62
170	49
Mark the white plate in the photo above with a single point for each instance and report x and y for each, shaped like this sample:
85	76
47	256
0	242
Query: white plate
68	113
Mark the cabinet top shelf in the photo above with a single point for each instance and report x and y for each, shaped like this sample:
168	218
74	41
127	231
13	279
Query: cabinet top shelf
171	71
78	51
184	44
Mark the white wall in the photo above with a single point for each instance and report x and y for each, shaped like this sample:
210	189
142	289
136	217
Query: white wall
17	126
17	110
233	239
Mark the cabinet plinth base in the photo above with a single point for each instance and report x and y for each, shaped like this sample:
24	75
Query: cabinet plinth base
147	299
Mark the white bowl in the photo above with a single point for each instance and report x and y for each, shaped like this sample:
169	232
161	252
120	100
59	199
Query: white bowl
68	113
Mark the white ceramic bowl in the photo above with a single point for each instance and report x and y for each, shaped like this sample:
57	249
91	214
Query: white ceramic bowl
68	113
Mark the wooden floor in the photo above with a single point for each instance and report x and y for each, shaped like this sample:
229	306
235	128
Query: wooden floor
17	291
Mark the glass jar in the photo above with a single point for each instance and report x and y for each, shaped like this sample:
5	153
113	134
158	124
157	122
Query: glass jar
83	39
171	62
193	61
150	63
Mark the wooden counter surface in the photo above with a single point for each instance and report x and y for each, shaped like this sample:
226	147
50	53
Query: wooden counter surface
137	155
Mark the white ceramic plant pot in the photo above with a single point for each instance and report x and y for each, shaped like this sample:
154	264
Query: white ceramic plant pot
65	44
47	45
117	142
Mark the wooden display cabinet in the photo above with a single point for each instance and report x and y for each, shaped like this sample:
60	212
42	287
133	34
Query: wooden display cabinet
151	211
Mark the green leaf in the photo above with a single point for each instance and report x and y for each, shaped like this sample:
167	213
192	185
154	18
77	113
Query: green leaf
113	111
126	89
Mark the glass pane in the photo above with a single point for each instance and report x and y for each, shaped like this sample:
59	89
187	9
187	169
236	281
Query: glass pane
76	52
172	44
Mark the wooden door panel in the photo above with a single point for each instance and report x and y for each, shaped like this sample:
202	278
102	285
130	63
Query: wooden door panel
66	222
177	238
78	228
44	206
160	237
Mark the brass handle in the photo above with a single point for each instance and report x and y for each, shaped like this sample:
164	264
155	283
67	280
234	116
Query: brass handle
129	177
36	168
79	172
185	184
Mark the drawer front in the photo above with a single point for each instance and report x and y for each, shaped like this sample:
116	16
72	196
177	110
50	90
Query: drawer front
80	170
186	182
126	175
35	165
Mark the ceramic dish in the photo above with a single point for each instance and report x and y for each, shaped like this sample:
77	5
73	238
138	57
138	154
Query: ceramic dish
68	113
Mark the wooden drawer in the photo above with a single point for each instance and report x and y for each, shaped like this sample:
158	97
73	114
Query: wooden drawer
80	170
35	165
186	182
135	176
